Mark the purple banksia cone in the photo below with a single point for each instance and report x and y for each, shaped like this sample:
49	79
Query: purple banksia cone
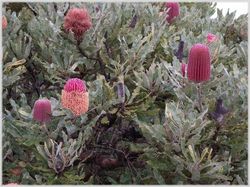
133	22
42	111
75	96
179	52
173	12
199	64
121	91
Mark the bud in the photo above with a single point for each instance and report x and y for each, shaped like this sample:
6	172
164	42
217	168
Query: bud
173	12
211	38
42	111
199	65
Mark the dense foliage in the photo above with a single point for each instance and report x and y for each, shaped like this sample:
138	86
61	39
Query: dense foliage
144	124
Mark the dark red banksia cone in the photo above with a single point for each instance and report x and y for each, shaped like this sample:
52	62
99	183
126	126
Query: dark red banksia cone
173	12
78	21
199	64
75	96
42	111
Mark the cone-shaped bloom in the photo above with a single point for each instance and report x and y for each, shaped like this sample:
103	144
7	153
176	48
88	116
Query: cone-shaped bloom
199	65
75	96
42	110
174	10
183	69
211	38
78	21
4	22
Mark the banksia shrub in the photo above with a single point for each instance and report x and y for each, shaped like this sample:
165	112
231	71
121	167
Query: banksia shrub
4	22
199	65
78	21
146	118
42	111
173	12
75	96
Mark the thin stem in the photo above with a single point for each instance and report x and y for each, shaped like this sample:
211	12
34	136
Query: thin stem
214	143
199	97
83	53
97	59
45	129
214	138
102	66
74	119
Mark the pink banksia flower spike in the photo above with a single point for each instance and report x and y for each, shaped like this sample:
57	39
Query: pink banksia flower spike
183	69
42	110
75	96
211	38
4	22
173	11
199	64
78	21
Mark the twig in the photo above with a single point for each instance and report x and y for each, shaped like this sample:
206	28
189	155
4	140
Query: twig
31	9
46	129
108	50
55	7
83	53
98	59
216	132
214	143
199	96
66	11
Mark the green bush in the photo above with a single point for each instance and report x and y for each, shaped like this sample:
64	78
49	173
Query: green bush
144	124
